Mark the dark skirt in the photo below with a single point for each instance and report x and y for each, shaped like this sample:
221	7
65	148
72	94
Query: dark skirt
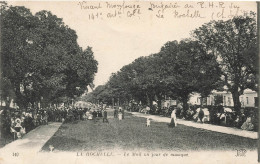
172	123
17	129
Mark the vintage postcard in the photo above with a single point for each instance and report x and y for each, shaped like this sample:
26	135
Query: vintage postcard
129	82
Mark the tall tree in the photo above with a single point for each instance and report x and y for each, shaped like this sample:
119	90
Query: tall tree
42	58
189	68
234	43
17	22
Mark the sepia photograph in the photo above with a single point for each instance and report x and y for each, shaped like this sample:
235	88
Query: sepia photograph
129	81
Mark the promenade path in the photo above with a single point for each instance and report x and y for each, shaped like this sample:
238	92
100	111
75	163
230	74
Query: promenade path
25	149
215	128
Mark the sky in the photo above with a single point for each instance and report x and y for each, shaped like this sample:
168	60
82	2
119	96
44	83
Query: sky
120	32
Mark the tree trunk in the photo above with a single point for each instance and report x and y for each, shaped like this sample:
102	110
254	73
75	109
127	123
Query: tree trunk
202	101
7	103
185	105
150	102
159	102
236	101
185	99
19	97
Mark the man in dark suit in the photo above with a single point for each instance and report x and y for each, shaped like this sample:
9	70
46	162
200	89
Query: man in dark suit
94	114
116	112
105	116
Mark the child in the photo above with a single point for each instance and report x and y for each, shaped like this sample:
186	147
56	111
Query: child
148	122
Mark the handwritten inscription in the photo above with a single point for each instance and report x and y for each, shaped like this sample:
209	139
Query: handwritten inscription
161	10
188	14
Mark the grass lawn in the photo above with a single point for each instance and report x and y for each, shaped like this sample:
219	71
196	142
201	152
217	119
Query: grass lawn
132	134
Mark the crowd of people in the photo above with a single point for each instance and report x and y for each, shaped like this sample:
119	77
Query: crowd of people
19	122
224	116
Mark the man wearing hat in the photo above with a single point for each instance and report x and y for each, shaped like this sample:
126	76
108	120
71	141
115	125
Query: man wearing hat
105	117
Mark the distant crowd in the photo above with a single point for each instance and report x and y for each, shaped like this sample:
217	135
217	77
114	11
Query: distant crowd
19	122
246	119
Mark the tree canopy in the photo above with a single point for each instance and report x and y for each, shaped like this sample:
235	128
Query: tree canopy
177	70
41	57
233	42
218	54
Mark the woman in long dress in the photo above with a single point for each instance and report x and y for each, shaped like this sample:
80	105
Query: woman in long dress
173	122
120	116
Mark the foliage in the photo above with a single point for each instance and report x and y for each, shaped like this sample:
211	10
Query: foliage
41	57
219	53
178	70
189	69
233	42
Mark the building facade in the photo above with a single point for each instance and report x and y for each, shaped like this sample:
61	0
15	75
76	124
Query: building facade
248	99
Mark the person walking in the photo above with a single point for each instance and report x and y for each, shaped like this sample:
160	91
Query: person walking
120	115
94	113
115	113
105	117
173	122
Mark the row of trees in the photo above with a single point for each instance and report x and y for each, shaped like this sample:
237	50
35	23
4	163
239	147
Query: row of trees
218	55
41	59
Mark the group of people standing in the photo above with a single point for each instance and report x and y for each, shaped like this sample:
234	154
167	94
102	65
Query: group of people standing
19	122
119	113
